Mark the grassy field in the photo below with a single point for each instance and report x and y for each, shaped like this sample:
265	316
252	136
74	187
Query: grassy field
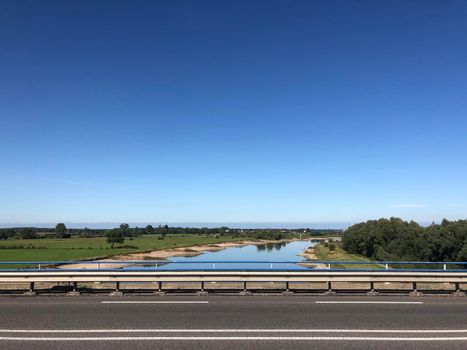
338	254
96	247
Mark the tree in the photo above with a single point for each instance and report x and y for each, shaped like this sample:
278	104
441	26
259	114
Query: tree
149	229
27	233
136	232
60	230
115	236
395	239
462	256
124	228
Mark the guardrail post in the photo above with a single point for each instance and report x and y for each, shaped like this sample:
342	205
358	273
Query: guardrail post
245	290
159	289
387	266
372	289
444	267
330	291
74	291
202	291
415	292
117	291
458	292
31	290
287	290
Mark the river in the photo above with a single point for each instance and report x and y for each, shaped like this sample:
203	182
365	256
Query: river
246	257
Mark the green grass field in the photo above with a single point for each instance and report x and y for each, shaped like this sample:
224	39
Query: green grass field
324	253
51	249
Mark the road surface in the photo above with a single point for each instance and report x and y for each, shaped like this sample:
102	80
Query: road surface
233	322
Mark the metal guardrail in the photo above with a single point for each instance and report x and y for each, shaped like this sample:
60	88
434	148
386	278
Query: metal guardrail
247	278
154	273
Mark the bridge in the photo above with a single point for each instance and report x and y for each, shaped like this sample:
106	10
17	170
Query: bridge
244	277
121	306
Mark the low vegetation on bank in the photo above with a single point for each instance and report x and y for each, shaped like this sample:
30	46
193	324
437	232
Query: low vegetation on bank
332	251
75	248
61	243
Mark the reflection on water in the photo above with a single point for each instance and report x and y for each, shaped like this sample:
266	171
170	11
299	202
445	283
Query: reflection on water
250	257
270	246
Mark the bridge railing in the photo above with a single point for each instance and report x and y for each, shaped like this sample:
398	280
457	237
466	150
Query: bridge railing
233	265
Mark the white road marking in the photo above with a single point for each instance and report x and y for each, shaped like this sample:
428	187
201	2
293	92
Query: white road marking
217	330
156	302
424	339
368	302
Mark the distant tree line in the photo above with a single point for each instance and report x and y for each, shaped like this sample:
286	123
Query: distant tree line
62	232
398	240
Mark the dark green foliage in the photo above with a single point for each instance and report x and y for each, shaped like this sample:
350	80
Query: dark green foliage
60	230
395	239
137	231
115	236
269	234
27	233
125	230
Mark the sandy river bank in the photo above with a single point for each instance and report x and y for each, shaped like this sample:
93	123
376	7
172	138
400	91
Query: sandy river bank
163	254
309	254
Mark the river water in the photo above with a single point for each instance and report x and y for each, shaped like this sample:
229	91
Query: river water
264	256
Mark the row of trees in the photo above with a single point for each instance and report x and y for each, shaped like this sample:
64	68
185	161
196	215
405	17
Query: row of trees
396	239
118	235
61	231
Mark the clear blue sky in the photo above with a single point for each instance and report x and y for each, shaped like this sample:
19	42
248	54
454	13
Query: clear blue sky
232	111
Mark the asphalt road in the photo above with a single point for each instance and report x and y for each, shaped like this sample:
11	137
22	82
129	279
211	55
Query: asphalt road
233	322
